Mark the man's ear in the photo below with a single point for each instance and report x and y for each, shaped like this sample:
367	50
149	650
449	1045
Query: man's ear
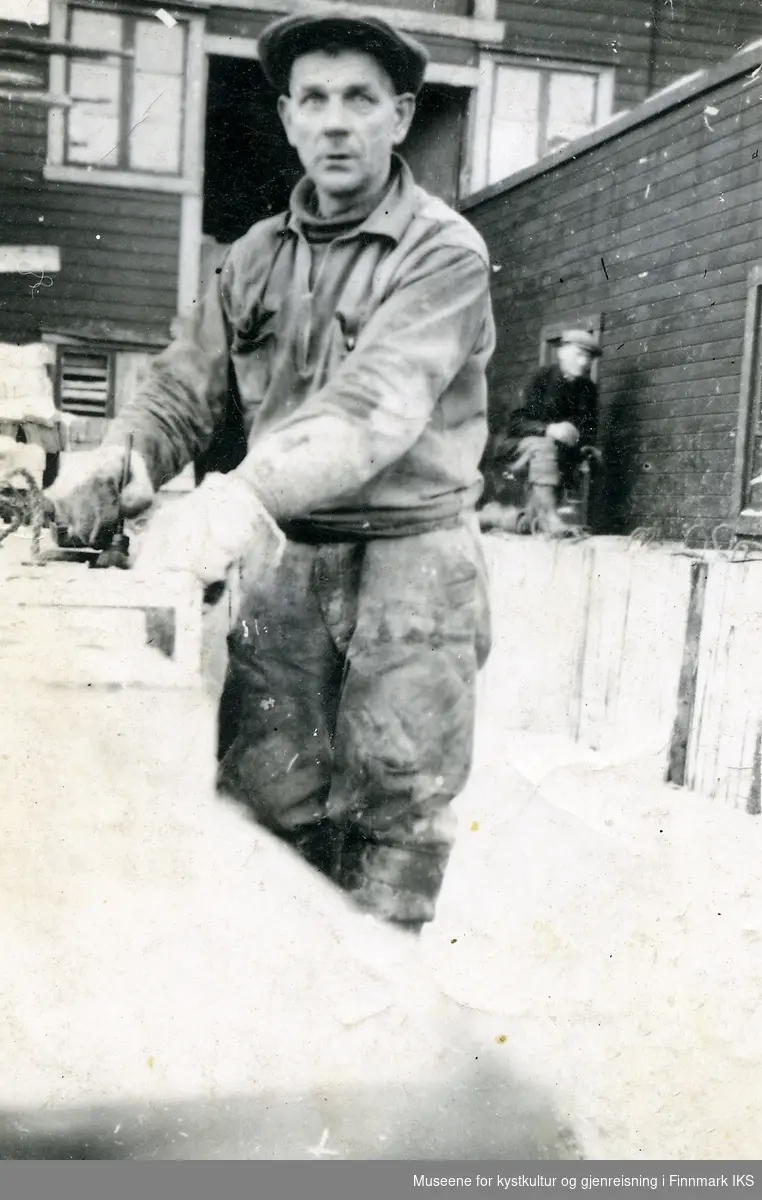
405	111
284	112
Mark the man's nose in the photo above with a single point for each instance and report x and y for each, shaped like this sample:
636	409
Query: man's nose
335	117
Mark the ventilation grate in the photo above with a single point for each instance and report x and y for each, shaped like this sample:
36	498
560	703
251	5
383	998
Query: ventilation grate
85	383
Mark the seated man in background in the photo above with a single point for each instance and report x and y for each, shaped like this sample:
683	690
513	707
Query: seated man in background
554	430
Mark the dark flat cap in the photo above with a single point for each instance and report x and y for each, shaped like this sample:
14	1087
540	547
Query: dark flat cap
583	339
285	40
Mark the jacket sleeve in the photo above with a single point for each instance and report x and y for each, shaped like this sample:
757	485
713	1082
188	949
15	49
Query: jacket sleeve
174	414
534	414
379	402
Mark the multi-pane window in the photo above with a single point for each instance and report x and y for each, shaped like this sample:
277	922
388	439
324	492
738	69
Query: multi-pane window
536	110
127	114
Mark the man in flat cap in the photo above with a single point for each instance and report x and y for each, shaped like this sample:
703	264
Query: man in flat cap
352	333
554	429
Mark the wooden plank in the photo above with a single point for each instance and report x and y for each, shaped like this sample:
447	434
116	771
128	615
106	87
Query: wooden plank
637	615
645	210
678	331
691	423
173	603
17	258
663	269
678	397
724	733
627	337
159	206
536	586
686	694
672	441
125	241
723	352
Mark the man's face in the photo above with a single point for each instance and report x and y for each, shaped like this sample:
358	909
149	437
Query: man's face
344	119
574	361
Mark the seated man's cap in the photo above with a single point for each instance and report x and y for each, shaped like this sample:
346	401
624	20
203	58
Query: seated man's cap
285	40
583	339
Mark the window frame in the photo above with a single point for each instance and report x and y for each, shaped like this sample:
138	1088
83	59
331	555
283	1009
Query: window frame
189	180
748	520
604	101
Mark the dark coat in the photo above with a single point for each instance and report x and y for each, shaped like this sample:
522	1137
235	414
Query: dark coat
549	397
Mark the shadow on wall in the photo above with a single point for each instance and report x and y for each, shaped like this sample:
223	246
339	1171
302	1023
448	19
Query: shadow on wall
612	505
496	1119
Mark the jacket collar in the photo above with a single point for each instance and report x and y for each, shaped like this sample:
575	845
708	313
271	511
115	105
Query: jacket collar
391	216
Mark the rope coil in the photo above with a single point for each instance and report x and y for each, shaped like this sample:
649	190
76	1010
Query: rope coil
23	505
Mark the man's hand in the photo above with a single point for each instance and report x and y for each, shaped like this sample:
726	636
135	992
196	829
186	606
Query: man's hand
85	499
220	523
563	432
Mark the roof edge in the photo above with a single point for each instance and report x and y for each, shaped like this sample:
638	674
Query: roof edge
681	92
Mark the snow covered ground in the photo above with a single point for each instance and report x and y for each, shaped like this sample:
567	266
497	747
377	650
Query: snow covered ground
611	932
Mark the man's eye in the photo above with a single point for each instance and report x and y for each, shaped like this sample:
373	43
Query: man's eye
362	101
312	101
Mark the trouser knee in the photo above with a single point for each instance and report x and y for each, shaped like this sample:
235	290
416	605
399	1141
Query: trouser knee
544	467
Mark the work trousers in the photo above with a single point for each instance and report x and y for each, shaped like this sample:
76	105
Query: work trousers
347	715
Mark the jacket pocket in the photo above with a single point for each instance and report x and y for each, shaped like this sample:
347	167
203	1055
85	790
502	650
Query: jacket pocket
351	323
258	328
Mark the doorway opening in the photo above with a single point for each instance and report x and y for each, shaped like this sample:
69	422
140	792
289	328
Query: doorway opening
249	167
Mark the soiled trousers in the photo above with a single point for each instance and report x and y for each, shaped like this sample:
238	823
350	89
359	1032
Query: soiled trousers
347	715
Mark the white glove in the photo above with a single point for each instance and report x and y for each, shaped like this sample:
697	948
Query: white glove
564	432
205	533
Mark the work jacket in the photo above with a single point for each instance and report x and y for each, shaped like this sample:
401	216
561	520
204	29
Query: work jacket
362	390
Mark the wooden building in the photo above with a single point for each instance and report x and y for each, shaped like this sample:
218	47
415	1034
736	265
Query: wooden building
650	230
118	202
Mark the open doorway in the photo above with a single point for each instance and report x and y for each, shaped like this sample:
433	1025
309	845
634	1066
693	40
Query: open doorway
436	145
250	168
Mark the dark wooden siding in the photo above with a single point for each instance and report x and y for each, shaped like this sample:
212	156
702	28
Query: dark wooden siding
119	248
606	32
692	34
649	43
230	23
655	228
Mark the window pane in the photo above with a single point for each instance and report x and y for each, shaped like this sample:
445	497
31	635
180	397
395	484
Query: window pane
514	132
158	49
93	124
92	139
571	107
156	124
96	30
94	81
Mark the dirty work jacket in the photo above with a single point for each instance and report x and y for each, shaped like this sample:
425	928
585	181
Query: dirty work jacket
363	391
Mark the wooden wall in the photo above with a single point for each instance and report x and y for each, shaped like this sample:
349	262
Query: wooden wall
649	43
119	248
656	229
604	32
